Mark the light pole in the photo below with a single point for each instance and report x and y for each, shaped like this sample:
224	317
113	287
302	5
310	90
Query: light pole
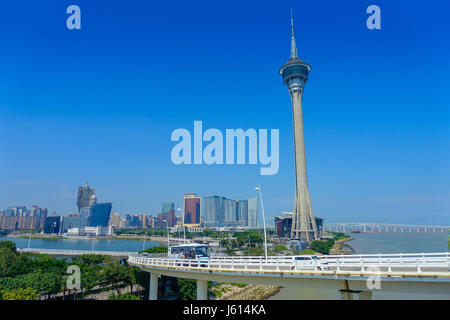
29	239
143	244
182	220
168	240
258	188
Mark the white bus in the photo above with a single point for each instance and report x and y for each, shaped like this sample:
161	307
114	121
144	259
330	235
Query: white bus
191	251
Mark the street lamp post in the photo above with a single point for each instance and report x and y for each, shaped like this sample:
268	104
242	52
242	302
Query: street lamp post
143	243
182	219
258	188
168	240
29	239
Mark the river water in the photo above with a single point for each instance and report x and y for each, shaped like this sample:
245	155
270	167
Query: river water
81	244
378	243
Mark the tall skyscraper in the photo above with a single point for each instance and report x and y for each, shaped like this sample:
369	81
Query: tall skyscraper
229	212
252	212
84	196
100	214
73	220
114	220
191	209
52	225
242	213
212	210
295	74
167	207
40	213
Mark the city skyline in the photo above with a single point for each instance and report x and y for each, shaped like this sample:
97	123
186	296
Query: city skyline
98	105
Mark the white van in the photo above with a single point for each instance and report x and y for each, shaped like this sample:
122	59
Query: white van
308	263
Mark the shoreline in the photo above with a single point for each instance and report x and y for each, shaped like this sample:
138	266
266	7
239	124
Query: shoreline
59	237
251	292
339	246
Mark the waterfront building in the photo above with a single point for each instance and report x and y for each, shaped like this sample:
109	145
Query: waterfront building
85	212
252	216
122	222
220	211
191	209
169	217
283	225
9	212
212	210
167	207
84	196
15	211
194	229
38	212
18	223
168	213
73	220
114	220
133	221
52	225
229	212
242	213
148	221
100	213
90	231
295	74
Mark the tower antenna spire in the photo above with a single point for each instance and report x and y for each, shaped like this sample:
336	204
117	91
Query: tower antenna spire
293	45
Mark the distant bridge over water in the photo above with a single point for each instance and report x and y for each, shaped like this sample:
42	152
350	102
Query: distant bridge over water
384	227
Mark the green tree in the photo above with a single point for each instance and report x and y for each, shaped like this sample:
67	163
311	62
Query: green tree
115	275
91	259
307	252
143	280
124	296
90	278
187	289
279	248
157	249
20	294
321	246
256	252
9	245
8	260
208	232
229	251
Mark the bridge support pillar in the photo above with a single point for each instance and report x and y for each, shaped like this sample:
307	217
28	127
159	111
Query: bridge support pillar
202	290
356	295
153	288
347	294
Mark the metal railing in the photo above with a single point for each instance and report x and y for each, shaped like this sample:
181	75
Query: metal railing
433	264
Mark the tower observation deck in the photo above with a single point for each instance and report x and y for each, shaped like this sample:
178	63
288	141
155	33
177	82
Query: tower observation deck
295	74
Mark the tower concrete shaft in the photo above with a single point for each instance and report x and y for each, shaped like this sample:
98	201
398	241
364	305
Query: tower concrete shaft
295	74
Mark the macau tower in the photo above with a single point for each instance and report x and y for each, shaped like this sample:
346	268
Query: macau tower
295	74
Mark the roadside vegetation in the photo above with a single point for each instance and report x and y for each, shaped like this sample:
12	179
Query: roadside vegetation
324	246
30	276
157	249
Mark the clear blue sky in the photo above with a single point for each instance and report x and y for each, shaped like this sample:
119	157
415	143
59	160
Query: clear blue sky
100	103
